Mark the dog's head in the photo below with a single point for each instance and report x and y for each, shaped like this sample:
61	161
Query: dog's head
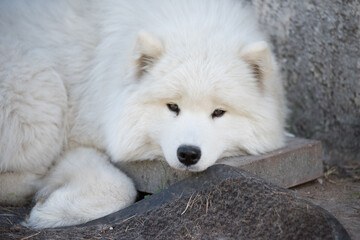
196	104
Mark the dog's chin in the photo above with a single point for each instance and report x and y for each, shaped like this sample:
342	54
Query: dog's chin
192	168
196	169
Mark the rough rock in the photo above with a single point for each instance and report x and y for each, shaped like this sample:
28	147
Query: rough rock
221	203
317	45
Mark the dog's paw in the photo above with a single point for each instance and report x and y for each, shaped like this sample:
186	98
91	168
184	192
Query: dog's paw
82	187
70	206
42	216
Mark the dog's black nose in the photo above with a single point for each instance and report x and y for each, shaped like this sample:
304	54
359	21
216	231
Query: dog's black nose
188	155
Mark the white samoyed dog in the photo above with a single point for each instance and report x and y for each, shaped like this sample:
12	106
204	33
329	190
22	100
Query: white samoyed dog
84	84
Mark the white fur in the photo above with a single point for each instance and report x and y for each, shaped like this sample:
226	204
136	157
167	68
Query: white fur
76	189
84	81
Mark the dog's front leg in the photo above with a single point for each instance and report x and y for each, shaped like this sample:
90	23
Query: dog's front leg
83	186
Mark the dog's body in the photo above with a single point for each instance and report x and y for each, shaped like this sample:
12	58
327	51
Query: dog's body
82	82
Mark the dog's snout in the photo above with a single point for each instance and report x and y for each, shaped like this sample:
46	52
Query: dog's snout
188	155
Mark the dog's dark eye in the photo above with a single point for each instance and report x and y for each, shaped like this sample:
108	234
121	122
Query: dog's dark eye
173	107
217	113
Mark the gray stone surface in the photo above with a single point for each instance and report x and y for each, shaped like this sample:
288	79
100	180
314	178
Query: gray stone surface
317	45
221	203
298	162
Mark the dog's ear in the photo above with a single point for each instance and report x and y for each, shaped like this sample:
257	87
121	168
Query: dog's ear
147	50
260	60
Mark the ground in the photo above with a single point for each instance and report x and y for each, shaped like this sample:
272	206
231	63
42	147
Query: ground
339	193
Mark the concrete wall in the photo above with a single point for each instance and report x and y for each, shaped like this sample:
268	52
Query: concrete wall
317	46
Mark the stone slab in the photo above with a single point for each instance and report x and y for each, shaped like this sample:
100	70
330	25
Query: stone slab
299	161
